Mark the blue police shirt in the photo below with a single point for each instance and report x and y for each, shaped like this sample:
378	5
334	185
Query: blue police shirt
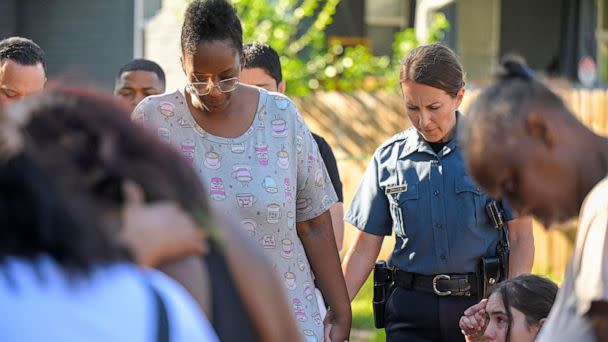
435	209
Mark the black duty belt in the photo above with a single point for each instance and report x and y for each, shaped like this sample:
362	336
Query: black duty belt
440	284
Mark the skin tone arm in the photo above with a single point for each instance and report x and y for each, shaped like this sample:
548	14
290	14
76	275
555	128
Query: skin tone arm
162	235
598	317
317	237
337	214
359	261
521	241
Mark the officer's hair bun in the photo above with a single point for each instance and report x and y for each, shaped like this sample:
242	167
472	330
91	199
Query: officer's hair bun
514	67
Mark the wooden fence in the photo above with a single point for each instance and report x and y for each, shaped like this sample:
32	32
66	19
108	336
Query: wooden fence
356	124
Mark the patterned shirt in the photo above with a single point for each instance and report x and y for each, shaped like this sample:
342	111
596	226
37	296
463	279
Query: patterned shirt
271	176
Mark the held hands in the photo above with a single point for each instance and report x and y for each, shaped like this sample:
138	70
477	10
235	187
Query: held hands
336	328
473	322
158	232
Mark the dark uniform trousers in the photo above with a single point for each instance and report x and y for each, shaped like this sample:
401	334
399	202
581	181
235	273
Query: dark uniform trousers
414	316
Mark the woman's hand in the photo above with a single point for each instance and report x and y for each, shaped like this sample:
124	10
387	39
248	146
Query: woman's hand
336	329
473	322
319	244
160	231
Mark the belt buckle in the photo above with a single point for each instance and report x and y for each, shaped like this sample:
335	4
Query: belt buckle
435	279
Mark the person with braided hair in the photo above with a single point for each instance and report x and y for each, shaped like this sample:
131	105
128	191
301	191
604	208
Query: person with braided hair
522	143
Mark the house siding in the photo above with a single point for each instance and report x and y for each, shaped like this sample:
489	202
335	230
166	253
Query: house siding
84	41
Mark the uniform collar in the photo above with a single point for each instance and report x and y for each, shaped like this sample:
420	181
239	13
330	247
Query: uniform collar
415	143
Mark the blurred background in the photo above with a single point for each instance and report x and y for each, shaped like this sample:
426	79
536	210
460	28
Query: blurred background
340	61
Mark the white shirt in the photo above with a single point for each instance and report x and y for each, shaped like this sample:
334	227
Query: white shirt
40	302
587	276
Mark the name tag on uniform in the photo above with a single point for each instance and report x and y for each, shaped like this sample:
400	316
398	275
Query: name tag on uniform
395	189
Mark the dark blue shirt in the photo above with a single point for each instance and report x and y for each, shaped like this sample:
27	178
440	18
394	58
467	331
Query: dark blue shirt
434	207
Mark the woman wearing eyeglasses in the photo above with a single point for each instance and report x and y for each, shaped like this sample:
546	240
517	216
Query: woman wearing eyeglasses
259	163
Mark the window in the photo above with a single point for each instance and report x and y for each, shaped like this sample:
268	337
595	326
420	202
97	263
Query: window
384	18
602	39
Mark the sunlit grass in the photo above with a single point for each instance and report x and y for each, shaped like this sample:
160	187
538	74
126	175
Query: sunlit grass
363	318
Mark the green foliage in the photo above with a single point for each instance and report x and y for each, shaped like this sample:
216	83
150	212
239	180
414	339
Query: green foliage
362	307
359	69
363	318
405	41
296	29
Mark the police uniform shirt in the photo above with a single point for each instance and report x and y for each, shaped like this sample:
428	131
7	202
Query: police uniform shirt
434	207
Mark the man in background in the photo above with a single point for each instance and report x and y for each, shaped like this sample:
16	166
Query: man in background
139	79
22	69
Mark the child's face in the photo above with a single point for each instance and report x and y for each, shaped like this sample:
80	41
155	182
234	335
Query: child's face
498	324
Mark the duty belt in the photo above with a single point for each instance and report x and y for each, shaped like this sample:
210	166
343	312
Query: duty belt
439	284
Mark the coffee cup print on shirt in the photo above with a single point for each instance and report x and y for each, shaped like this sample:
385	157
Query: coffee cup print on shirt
183	123
164	134
268	242
270	185
237	148
316	317
302	263
167	109
188	149
303	205
217	191
261	151
309	291
299	144
281	102
245	200
287	249
288	190
279	128
274	213
283	159
298	309
290	280
291	220
311	162
242	173
212	160
249	225
309	336
319	178
261	124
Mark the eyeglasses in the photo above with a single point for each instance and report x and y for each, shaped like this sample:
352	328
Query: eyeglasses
204	88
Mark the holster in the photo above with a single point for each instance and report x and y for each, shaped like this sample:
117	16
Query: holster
382	289
489	274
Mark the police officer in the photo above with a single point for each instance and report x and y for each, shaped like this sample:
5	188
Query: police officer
417	183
